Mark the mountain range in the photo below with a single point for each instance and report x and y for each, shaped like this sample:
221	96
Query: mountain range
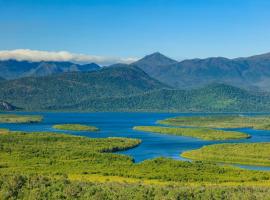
153	83
41	93
249	73
13	69
125	88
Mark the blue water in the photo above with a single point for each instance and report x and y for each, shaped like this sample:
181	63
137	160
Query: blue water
120	125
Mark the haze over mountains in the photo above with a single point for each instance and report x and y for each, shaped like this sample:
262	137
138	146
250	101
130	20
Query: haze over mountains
153	83
12	69
250	73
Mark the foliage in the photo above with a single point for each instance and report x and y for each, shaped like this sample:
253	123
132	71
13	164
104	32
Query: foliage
48	153
248	154
202	133
60	166
231	121
75	127
125	88
55	91
11	118
43	187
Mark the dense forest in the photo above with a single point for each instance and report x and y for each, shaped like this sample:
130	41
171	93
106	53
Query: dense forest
125	88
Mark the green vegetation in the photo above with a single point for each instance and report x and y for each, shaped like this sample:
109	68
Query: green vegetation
202	133
68	90
11	118
248	154
125	88
75	127
52	154
256	122
53	166
44	187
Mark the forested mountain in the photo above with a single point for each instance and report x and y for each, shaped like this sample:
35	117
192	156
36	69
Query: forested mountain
37	93
199	85
12	69
125	88
213	98
250	73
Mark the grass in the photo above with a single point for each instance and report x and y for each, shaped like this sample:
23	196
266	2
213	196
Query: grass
244	153
75	127
11	118
201	133
256	122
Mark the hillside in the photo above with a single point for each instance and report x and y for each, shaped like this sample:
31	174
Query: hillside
249	73
213	98
125	88
12	69
39	93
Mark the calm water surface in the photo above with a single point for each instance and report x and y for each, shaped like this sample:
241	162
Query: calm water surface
120	125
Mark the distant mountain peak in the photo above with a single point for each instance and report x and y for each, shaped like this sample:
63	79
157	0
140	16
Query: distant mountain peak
159	58
157	53
154	62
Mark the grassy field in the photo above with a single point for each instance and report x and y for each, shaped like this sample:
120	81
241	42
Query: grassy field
11	118
75	127
256	122
248	154
201	133
60	166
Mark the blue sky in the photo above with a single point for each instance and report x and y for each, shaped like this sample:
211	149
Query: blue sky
134	28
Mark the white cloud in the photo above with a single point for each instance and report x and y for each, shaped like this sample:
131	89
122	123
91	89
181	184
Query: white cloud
35	55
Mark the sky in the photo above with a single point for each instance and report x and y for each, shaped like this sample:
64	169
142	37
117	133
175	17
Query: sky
123	30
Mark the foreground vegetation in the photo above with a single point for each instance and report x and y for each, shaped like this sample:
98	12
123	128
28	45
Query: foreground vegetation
201	133
12	118
52	154
75	127
60	166
256	122
43	187
248	154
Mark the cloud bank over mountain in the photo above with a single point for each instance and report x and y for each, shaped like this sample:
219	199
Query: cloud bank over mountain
36	56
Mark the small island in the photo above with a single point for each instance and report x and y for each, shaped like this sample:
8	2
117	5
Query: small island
75	127
232	121
12	118
201	133
256	154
